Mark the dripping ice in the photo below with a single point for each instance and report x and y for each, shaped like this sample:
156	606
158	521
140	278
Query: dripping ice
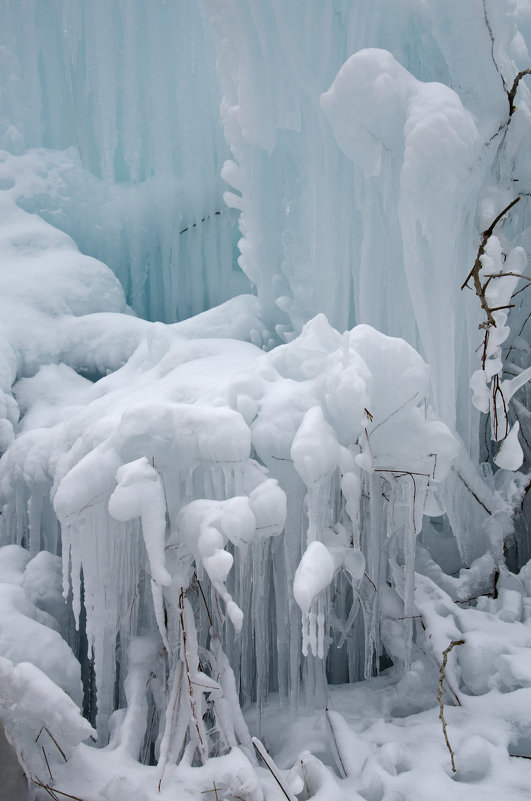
263	459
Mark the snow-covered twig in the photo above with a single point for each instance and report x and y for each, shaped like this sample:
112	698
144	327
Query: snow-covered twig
260	748
335	742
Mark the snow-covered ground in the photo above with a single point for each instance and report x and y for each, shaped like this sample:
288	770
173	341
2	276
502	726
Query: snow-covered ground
264	526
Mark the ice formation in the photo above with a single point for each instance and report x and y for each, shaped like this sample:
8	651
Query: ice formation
238	532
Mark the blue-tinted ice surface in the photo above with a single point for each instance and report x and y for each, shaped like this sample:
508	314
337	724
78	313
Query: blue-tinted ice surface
308	477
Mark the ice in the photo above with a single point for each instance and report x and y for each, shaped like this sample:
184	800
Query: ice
424	128
239	533
28	635
139	493
313	575
33	706
131	138
510	456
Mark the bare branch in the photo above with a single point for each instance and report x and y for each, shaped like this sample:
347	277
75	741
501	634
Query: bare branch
337	749
55	790
54	741
505	275
512	93
47	763
473	493
259	746
442	677
487	233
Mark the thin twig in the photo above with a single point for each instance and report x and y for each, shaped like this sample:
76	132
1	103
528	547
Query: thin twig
480	288
499	308
204	601
47	763
370	580
395	411
442	677
259	746
50	735
522	289
203	219
487	233
473	493
305	779
519	333
511	94
54	790
214	790
145	755
49	790
337	751
504	275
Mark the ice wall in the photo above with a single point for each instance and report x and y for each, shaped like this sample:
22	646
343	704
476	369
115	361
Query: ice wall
132	87
238	498
371	199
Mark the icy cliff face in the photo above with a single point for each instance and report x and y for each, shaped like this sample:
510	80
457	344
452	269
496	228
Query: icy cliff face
375	174
132	89
293	489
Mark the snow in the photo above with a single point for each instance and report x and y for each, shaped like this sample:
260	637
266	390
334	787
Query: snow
510	456
313	575
263	463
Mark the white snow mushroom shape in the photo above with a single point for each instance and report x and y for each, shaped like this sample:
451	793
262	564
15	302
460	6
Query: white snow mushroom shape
365	415
206	526
140	493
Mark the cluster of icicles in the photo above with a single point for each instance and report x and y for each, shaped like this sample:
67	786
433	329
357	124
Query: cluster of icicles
202	538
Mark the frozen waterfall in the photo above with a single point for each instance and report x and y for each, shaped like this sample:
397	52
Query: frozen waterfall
264	398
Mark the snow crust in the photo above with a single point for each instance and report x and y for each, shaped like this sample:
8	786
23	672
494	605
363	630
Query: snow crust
239	532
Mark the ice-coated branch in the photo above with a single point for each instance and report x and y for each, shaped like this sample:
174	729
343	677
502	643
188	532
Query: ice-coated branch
195	714
442	677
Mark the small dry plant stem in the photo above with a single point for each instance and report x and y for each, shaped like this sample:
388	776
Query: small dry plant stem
52	738
512	93
54	790
270	765
480	288
50	792
442	677
47	763
214	790
336	743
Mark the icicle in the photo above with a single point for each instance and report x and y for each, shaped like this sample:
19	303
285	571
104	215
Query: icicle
174	727
190	660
